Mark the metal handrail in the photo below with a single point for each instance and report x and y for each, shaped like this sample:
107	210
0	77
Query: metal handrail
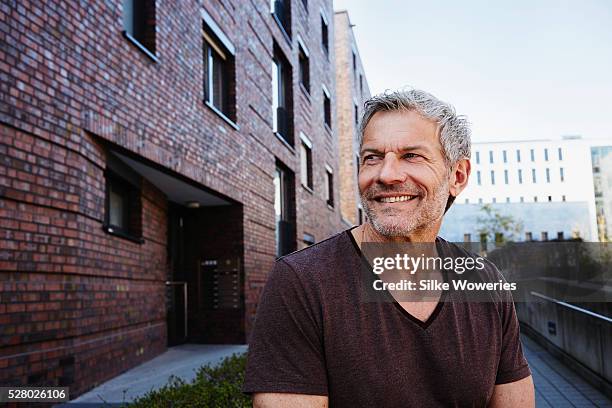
570	306
184	284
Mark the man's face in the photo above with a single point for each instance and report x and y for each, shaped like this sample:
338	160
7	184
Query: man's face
403	179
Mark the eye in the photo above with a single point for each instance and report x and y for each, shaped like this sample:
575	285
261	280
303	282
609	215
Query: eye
410	156
370	158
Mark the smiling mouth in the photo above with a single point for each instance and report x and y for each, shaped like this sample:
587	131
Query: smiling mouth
396	199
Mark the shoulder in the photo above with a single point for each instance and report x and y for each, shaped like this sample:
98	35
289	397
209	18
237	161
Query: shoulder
489	270
320	257
485	271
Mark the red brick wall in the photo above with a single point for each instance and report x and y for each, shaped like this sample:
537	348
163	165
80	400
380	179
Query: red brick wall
73	297
68	77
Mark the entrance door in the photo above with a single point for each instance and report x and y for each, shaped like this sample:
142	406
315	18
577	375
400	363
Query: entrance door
176	284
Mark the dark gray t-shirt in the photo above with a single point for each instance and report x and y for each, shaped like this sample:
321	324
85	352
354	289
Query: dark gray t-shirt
315	334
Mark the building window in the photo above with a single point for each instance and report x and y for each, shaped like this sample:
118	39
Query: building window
535	199
356	115
357	164
491	156
505	156
284	208
522	199
282	111
123	206
306	161
494	200
360	216
528	236
330	186
563	198
139	24
467	200
561	175
560	154
477	157
507	199
361	85
281	10
327	108
549	199
545	154
478	178
219	78
560	235
492	177
324	34
548	175
506	176
544	236
480	201
354	64
532	152
308	239
520	176
518	156
304	66
533	176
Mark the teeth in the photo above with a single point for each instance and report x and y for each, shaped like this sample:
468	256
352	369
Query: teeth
396	199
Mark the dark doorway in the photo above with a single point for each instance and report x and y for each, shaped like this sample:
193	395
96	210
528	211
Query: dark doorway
176	284
205	283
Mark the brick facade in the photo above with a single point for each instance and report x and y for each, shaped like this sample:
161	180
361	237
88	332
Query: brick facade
80	305
351	92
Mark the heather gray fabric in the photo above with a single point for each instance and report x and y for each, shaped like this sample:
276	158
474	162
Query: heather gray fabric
314	335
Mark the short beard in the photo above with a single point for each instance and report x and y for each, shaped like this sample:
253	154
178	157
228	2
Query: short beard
426	214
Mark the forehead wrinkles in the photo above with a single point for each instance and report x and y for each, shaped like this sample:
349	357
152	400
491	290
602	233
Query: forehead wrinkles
402	128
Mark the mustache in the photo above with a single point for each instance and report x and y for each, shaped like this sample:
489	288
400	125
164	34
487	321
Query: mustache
376	190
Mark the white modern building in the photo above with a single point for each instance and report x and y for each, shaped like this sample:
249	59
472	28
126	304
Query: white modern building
547	185
602	178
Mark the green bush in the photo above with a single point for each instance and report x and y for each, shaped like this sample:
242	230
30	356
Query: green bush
217	385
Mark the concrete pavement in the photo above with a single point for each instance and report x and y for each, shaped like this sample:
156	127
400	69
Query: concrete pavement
182	361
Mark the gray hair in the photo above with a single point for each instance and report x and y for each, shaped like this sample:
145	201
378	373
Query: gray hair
454	129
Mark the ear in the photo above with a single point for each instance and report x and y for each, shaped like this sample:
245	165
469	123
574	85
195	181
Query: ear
460	173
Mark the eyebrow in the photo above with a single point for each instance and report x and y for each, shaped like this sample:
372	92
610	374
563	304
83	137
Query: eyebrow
403	149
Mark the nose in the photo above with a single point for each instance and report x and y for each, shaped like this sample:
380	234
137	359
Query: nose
391	171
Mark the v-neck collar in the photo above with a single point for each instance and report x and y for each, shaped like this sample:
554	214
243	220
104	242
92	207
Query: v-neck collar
389	297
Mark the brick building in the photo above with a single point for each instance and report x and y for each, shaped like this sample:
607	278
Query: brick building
351	92
154	162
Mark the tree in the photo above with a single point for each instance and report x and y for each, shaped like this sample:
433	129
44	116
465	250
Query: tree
497	227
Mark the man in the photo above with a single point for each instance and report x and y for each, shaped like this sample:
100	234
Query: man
318	343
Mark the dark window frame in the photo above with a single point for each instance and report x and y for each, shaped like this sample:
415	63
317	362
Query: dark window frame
305	148
304	67
327	109
132	207
330	187
139	23
285	225
216	56
284	111
281	12
325	35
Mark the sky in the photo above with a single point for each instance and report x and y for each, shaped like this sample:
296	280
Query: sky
519	70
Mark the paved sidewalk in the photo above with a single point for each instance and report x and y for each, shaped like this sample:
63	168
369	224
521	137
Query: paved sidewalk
181	361
556	385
